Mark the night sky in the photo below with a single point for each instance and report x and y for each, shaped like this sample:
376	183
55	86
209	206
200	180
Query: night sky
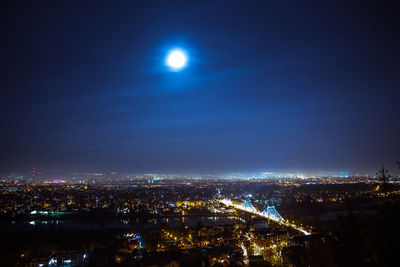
269	85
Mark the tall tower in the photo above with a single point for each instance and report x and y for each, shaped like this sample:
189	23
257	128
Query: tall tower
33	173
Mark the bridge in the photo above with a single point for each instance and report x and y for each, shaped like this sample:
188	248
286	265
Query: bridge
270	213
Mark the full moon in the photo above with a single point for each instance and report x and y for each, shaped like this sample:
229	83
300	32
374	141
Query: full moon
176	59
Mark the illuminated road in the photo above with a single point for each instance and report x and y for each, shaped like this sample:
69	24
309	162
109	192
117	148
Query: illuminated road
269	215
245	254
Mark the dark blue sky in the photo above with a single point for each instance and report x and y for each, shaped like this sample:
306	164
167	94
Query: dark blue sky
270	85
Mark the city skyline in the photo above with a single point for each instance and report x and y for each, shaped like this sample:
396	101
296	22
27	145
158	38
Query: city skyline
38	174
199	133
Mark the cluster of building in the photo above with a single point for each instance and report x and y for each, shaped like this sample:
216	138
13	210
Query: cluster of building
155	221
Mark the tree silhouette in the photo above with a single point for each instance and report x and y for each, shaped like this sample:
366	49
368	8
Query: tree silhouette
383	176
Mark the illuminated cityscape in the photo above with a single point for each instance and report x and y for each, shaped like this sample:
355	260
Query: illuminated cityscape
199	133
102	219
